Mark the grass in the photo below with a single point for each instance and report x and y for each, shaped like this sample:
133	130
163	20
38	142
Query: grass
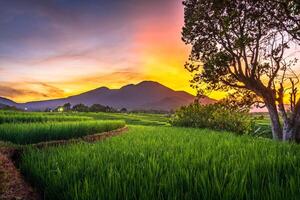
22	117
168	163
132	118
262	126
129	118
38	132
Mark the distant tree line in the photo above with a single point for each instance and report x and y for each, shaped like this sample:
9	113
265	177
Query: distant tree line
152	111
6	107
67	107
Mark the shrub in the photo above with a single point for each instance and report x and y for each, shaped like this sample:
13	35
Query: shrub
214	116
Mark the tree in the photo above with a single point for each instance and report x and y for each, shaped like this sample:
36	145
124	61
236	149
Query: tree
123	110
110	109
97	108
48	110
241	46
67	107
80	108
7	107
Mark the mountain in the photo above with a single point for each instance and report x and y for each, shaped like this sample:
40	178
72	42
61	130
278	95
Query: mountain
147	95
7	102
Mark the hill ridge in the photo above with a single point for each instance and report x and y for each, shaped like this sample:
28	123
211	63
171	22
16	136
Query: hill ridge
146	95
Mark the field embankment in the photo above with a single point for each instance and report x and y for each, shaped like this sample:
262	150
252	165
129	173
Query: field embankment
12	184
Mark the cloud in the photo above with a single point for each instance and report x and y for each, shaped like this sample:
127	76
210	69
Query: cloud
115	78
50	90
32	90
10	92
72	46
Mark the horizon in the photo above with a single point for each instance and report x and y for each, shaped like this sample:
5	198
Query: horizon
59	49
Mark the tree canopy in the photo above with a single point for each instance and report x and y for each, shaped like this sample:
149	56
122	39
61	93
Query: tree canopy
244	46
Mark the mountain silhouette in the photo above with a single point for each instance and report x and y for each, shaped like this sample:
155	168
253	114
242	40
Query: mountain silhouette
147	95
6	102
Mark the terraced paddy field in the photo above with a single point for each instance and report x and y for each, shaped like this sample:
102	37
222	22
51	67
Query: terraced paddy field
150	161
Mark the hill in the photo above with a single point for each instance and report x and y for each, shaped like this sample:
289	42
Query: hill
7	102
147	95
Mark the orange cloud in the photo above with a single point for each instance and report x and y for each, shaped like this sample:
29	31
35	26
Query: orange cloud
21	92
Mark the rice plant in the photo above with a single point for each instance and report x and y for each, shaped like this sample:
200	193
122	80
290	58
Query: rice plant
20	117
37	132
167	163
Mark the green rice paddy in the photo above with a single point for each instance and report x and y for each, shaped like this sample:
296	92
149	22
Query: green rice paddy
168	163
39	132
151	161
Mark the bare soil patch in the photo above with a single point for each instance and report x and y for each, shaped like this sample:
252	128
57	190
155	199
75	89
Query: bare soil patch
13	186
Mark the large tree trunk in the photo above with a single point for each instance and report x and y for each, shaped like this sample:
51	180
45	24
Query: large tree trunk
291	125
297	133
289	131
296	118
275	122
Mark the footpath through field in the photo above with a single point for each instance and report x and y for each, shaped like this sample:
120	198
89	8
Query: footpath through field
12	183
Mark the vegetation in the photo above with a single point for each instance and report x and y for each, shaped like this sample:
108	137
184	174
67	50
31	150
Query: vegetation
83	108
158	162
39	132
80	108
168	163
131	118
215	116
238	46
100	108
24	117
242	46
6	107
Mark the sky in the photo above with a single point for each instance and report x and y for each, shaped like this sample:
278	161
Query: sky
58	48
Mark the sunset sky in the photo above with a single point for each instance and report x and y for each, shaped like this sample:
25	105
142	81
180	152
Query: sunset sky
58	48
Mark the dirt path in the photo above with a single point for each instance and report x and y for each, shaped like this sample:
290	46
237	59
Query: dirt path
12	182
13	185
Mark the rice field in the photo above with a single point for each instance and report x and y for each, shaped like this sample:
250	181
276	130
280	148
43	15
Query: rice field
22	117
167	163
145	119
151	161
129	118
30	133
